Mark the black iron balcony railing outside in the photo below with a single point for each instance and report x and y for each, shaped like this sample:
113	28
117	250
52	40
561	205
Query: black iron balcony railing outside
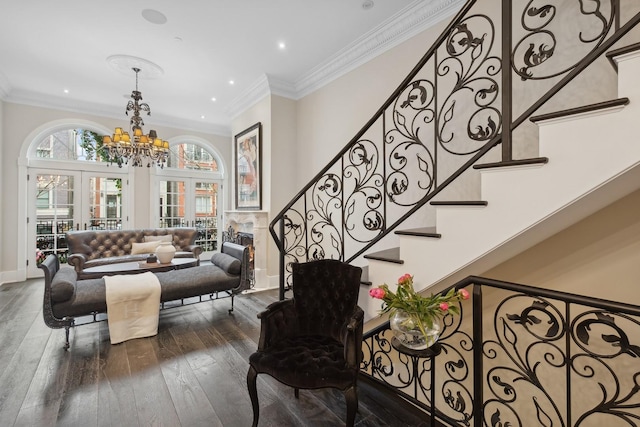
495	65
522	356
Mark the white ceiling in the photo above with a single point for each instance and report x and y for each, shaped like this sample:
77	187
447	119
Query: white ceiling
47	47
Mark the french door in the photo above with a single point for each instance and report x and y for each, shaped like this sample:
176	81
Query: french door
61	201
192	202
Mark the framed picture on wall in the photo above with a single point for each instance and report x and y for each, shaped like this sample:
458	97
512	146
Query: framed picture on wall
248	168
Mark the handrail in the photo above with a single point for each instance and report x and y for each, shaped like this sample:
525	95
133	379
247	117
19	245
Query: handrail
522	350
393	165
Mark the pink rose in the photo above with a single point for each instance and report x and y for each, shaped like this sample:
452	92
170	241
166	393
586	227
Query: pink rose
405	279
444	306
464	293
377	293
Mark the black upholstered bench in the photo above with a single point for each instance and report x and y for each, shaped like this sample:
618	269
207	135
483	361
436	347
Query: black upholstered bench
66	298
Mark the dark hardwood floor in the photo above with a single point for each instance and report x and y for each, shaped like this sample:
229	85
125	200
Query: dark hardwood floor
193	373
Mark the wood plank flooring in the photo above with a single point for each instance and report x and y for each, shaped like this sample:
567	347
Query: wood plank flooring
193	373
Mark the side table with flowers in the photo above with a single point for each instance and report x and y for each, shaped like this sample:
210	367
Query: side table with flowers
415	319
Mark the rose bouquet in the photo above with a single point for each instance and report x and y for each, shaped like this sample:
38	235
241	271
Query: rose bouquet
417	312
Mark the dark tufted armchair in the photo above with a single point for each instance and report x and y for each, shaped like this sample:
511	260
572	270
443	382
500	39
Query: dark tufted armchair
315	339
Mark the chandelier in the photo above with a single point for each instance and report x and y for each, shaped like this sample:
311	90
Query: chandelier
136	148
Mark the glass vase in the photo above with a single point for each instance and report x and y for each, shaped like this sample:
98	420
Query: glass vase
413	332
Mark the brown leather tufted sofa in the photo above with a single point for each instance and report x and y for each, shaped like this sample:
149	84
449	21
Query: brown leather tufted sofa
91	248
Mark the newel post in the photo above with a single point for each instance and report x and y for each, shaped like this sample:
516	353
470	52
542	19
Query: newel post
507	113
478	369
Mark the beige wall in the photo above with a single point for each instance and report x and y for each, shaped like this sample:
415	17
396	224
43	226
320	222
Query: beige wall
283	167
278	118
597	257
331	116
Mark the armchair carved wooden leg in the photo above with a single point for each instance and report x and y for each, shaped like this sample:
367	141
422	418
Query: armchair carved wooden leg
351	396
253	393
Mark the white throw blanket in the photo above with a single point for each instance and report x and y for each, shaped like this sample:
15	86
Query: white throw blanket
133	306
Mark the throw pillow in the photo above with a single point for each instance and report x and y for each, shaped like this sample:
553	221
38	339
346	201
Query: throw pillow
227	263
144	248
166	238
63	285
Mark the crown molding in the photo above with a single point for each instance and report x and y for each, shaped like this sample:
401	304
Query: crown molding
5	87
78	106
249	97
282	88
265	85
411	21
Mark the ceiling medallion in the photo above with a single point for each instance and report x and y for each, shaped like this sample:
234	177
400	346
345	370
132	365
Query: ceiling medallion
125	63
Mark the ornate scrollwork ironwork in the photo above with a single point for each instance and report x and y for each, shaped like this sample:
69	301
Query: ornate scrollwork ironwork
364	182
532	355
541	356
399	371
547	33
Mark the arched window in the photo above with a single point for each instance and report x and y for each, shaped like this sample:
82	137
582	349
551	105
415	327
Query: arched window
190	191
186	155
72	144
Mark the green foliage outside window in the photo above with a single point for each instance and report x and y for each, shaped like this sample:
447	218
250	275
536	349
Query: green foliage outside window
92	144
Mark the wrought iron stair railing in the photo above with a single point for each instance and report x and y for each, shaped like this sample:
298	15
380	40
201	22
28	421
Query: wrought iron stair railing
453	108
521	356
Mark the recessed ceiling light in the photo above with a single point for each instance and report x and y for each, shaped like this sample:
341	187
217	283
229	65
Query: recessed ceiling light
231	82
66	91
282	46
154	16
367	4
202	117
213	99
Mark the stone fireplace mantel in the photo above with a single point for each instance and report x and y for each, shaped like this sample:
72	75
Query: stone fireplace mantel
256	223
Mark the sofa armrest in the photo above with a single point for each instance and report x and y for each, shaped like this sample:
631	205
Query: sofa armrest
195	249
77	261
242	253
51	266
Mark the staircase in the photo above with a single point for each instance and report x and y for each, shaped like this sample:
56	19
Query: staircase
410	155
594	159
